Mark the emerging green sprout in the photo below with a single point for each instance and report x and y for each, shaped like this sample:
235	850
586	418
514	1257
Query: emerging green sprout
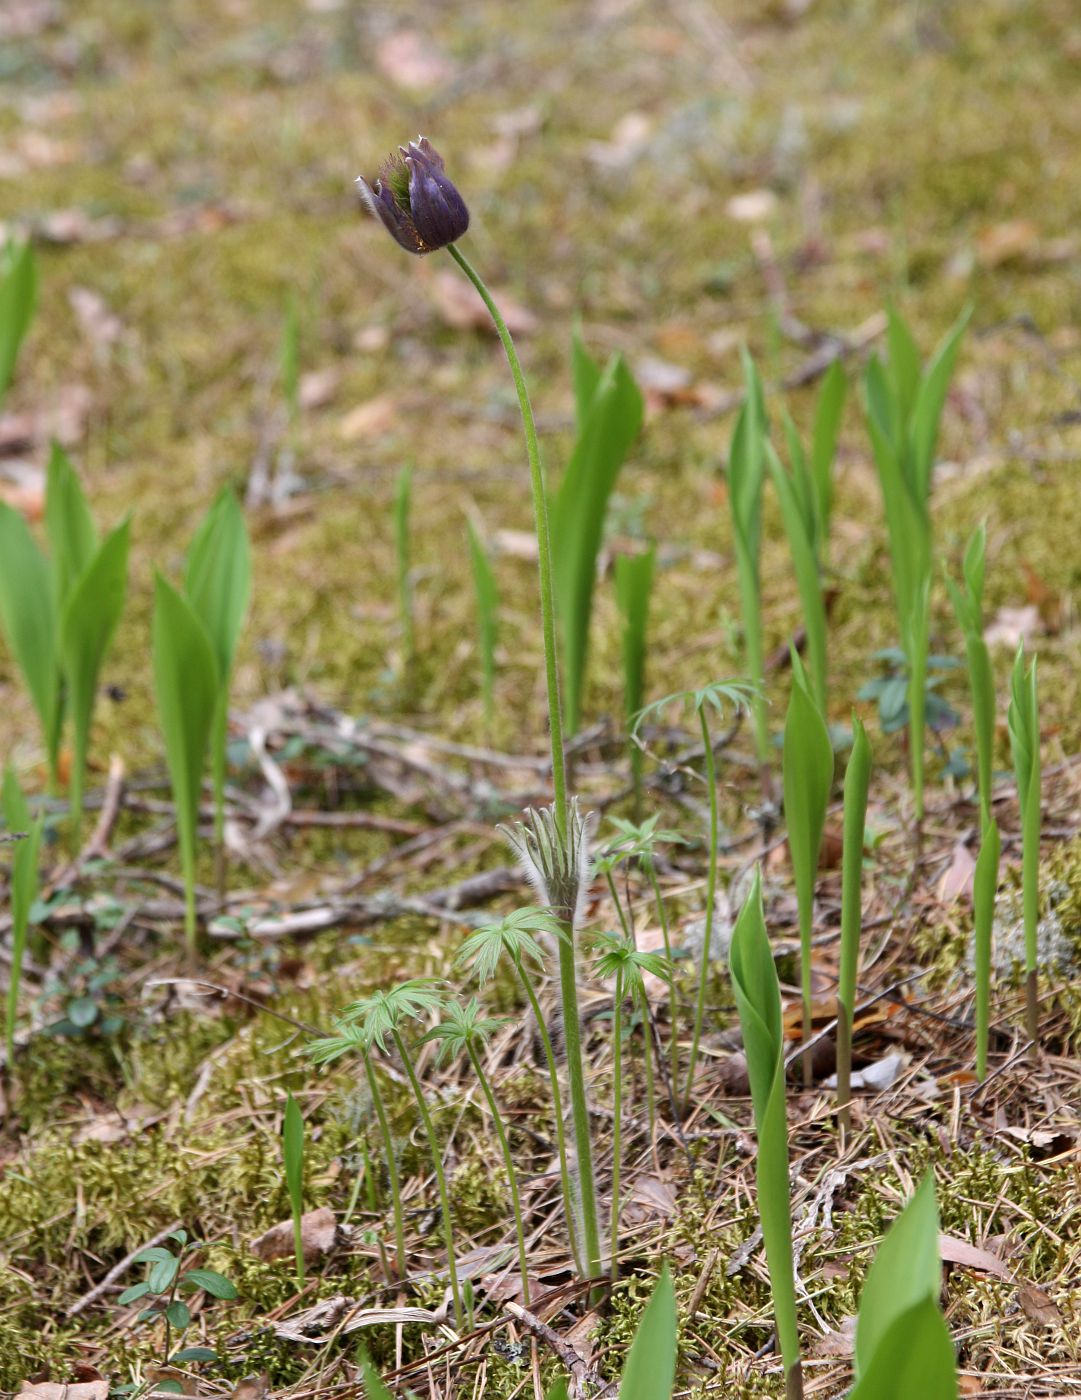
904	405
293	1156
746	473
1024	726
60	613
808	776
26	835
758	999
18	301
634	584
968	607
857	781
609	408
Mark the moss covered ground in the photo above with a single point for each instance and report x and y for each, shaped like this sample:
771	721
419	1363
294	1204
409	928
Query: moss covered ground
681	179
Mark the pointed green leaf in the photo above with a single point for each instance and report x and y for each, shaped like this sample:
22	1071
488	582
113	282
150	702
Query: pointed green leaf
73	538
906	1271
927	410
217	1285
808	776
650	1369
914	1358
29	619
758	1000
88	622
18	300
604	439
799	527
186	683
634	584
984	890
827	428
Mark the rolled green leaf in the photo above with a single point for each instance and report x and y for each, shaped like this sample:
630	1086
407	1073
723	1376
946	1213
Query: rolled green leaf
69	526
186	682
827	427
18	300
217	584
24	890
29	618
293	1154
634	584
984	889
857	782
903	1346
758	1000
610	412
1024	725
746	473
91	614
808	777
798	512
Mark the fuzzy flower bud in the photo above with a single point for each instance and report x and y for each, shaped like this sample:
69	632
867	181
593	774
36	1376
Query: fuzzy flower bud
414	201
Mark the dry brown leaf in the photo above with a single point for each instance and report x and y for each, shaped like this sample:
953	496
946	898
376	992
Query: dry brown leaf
318	1235
1040	1310
369	420
956	881
839	1341
652	1196
1010	626
460	307
410	59
1007	242
970	1256
318	387
251	1388
53	1390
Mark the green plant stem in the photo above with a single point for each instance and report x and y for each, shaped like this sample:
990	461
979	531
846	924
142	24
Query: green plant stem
793	1382
508	1162
392	1166
617	1119
619	907
673	1004
568	970
647	1057
569	1205
440	1175
711	894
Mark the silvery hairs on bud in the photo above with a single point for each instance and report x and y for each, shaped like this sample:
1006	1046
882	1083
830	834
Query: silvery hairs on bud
559	869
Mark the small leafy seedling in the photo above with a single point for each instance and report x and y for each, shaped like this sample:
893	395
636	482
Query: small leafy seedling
169	1275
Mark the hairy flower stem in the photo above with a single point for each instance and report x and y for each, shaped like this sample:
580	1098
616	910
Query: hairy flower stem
711	895
440	1175
673	1004
508	1162
568	971
617	1119
392	1166
569	1207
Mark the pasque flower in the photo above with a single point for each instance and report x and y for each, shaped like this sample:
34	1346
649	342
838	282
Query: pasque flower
413	199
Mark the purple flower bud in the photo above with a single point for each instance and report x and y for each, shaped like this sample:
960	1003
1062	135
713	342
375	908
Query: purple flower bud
415	202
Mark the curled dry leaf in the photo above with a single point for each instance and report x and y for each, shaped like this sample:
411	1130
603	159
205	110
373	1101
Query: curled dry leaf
318	1234
970	1256
1040	1310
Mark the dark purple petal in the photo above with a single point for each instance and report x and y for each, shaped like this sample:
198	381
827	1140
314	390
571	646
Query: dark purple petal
439	212
381	204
